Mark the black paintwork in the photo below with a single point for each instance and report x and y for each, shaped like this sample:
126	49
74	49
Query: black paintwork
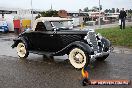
55	42
51	41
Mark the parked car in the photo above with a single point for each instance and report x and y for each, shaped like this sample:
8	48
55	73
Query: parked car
55	36
4	26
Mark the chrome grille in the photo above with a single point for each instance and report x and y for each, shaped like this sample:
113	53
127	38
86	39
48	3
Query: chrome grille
93	40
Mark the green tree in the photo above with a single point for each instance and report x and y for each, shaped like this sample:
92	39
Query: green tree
38	16
50	13
110	11
95	8
130	11
117	10
106	11
100	7
113	10
86	9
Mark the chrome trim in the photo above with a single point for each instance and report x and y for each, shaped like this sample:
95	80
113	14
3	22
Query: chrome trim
99	54
102	53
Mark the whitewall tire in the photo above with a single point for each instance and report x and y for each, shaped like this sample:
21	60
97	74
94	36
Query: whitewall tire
78	58
21	50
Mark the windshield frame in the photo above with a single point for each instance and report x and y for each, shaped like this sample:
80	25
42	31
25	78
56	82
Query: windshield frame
62	26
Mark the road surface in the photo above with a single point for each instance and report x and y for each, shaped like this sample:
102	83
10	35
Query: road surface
36	72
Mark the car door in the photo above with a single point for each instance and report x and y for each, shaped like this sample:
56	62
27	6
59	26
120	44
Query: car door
49	39
46	39
34	37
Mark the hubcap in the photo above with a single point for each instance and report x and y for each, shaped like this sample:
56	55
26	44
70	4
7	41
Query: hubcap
79	58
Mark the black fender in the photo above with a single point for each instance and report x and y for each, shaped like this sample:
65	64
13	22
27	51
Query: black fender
106	43
78	44
19	39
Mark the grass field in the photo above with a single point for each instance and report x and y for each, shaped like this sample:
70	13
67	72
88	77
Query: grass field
118	37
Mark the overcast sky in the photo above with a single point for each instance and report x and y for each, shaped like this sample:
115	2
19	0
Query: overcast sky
70	5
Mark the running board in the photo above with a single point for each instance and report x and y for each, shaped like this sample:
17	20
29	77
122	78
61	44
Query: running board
42	53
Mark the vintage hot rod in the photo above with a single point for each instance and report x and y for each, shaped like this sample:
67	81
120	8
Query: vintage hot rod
56	36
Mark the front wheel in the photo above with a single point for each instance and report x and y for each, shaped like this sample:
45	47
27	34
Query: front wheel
78	58
21	50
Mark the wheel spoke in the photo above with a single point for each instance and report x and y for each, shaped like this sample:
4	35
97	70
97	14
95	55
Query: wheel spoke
77	58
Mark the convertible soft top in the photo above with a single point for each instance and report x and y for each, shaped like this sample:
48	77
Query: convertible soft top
43	19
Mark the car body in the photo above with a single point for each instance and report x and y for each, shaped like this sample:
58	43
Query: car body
56	36
3	26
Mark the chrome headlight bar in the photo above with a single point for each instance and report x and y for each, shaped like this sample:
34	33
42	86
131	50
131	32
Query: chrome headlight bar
87	38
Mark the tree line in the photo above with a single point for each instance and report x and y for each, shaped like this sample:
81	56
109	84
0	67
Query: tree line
49	13
54	13
112	10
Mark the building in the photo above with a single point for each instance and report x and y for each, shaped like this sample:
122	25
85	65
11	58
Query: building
62	13
76	15
18	11
9	14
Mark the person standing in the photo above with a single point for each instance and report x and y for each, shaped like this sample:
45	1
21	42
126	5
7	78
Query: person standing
122	17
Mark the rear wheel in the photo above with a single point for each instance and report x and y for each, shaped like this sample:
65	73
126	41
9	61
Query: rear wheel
78	58
21	50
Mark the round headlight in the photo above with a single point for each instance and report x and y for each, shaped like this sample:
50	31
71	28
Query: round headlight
87	38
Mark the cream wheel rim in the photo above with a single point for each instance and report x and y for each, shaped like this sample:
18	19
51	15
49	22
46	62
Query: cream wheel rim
77	58
21	50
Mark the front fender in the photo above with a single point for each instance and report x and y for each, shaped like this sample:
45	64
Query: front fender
106	42
78	44
83	46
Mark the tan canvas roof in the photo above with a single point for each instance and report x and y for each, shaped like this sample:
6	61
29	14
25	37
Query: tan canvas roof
43	19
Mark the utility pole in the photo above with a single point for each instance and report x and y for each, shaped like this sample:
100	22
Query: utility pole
99	15
32	12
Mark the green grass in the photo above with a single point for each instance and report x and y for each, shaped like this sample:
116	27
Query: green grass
118	37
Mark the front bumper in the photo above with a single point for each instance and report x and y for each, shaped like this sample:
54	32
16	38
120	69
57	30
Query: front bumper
102	53
99	55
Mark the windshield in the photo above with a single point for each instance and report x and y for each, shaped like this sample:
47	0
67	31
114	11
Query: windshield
63	24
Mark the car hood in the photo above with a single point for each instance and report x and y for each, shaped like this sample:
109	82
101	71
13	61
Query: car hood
74	31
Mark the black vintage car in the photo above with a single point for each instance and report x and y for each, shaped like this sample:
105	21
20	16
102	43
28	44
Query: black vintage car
56	36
